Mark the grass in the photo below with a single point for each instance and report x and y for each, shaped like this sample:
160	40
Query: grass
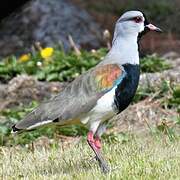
141	157
153	63
167	92
155	156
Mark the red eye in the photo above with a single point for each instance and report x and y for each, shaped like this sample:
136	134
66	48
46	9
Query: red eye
137	19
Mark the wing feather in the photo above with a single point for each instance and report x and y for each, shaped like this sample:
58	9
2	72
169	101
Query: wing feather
77	98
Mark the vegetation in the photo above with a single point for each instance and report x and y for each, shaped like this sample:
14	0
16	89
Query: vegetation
153	64
56	65
171	100
169	95
135	157
154	156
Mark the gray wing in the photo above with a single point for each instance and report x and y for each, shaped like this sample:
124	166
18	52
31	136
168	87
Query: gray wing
76	99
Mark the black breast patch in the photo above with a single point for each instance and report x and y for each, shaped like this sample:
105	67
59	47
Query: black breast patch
126	90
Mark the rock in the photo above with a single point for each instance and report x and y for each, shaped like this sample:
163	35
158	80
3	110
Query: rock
23	89
48	22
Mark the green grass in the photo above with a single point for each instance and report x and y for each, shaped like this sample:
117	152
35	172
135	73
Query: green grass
153	63
167	92
141	157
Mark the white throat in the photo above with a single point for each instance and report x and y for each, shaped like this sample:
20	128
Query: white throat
124	50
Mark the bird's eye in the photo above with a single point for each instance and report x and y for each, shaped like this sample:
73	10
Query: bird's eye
137	19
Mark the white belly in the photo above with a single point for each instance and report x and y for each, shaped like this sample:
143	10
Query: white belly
105	103
103	110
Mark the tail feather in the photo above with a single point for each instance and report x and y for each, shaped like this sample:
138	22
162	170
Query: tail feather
32	120
42	115
15	129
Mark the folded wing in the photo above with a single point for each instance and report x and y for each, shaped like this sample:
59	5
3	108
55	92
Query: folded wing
76	99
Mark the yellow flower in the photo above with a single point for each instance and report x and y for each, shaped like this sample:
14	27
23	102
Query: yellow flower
24	58
46	52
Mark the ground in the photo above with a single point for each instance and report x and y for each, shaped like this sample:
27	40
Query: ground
142	144
134	157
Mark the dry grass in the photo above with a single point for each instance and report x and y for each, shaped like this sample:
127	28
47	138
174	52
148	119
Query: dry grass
140	158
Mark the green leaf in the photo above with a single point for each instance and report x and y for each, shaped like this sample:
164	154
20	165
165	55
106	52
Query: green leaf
40	75
3	129
52	77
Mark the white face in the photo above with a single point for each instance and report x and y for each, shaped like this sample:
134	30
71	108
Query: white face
130	23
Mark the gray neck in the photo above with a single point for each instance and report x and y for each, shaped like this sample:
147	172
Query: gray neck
124	50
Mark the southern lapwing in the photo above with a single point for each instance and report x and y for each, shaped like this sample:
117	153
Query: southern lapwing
102	92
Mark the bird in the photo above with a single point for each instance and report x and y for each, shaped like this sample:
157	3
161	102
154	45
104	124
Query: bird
102	92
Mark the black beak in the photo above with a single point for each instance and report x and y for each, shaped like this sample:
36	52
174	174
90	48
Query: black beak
151	27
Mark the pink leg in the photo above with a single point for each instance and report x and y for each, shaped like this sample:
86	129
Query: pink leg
96	146
90	137
91	141
97	143
94	141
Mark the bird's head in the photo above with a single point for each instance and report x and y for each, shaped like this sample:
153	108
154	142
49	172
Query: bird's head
133	23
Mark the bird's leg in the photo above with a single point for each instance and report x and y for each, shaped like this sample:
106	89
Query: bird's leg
97	143
95	146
